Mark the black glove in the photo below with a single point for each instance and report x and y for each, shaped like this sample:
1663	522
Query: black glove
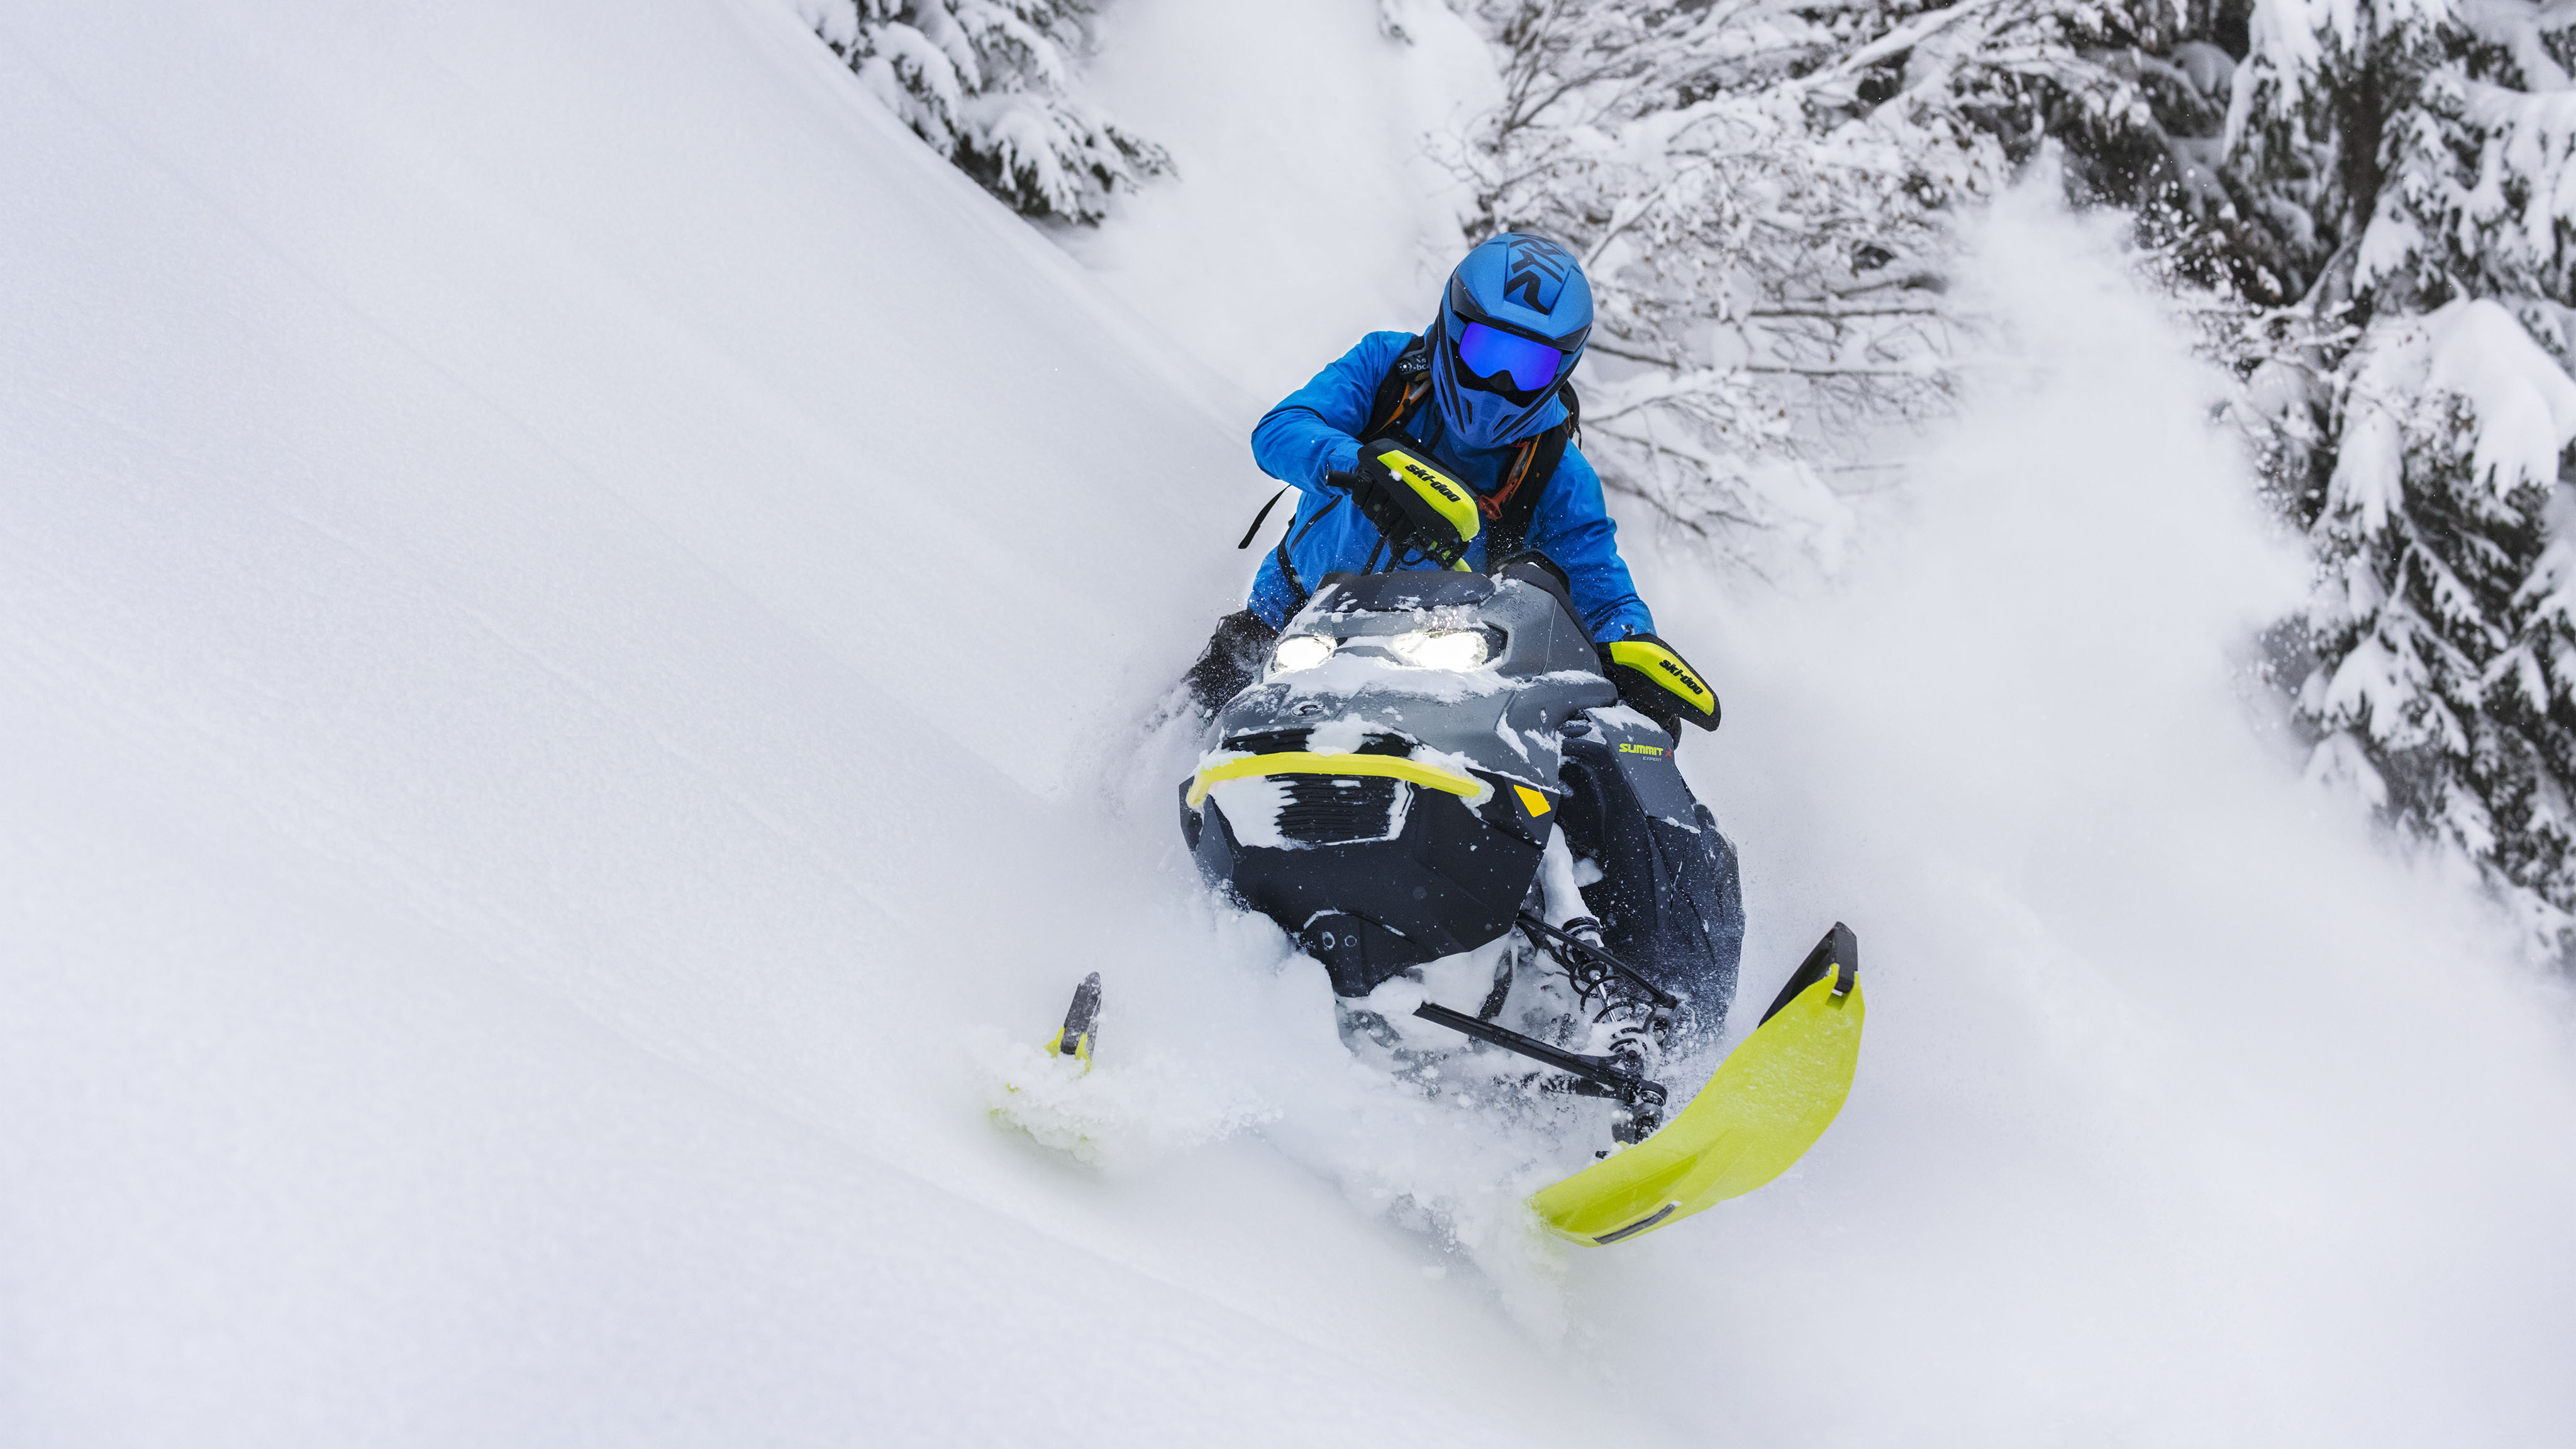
1232	659
1658	683
1354	480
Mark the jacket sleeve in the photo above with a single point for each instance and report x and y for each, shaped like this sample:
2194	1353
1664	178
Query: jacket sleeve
1315	430
1573	528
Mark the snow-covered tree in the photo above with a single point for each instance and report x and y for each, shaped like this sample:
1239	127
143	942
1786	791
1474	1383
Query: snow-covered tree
988	84
1762	194
2403	171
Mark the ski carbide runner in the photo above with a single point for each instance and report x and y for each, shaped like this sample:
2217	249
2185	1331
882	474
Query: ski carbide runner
1768	1102
1074	1039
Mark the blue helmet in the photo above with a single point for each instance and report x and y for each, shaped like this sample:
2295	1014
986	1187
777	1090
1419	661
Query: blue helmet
1512	322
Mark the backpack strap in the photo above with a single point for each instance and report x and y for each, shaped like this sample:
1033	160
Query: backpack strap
1258	519
1510	509
1288	576
1400	394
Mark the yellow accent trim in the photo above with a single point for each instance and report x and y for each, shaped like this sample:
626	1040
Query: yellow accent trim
1535	802
1300	762
1081	1047
1446	495
1774	1095
1667	669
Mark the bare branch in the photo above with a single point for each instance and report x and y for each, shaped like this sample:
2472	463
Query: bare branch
1906	372
1841	312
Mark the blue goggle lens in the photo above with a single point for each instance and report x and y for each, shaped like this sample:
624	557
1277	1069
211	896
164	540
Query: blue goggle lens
1490	351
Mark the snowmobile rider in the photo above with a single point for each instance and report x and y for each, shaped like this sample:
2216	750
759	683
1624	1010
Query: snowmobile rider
1493	369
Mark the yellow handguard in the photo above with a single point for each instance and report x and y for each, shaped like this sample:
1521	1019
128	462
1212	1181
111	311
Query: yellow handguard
1654	660
1417	506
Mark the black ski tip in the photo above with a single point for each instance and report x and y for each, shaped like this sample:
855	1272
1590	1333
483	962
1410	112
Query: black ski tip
1085	1009
1080	1021
1838	953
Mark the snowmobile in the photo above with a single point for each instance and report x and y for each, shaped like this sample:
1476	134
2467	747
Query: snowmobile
1434	760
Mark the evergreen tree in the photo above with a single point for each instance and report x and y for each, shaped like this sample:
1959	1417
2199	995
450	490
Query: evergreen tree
2406	166
988	84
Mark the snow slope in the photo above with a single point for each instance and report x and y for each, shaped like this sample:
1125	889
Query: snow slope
551	558
578	618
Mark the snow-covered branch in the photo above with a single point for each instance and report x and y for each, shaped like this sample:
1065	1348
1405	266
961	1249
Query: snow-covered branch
1761	193
987	83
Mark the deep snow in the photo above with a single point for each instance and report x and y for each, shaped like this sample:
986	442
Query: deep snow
579	620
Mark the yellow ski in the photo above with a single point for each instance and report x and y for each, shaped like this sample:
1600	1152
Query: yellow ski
1769	1101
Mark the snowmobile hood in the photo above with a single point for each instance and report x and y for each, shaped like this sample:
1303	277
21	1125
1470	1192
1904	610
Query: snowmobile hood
1470	673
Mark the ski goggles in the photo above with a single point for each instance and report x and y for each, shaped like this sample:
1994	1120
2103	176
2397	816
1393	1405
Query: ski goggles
1493	358
1486	355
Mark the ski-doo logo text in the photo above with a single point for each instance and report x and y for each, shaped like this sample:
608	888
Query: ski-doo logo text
1676	671
1430	480
1535	273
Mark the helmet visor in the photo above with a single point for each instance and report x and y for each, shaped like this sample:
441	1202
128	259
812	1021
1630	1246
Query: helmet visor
1503	362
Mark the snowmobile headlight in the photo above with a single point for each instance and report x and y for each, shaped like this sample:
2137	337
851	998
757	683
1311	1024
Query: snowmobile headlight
1303	651
1440	648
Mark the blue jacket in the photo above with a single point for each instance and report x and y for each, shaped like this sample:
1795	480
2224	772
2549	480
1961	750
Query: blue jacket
1313	431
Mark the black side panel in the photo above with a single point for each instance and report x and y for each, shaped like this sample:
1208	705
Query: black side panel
1670	899
1358	953
1450	882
